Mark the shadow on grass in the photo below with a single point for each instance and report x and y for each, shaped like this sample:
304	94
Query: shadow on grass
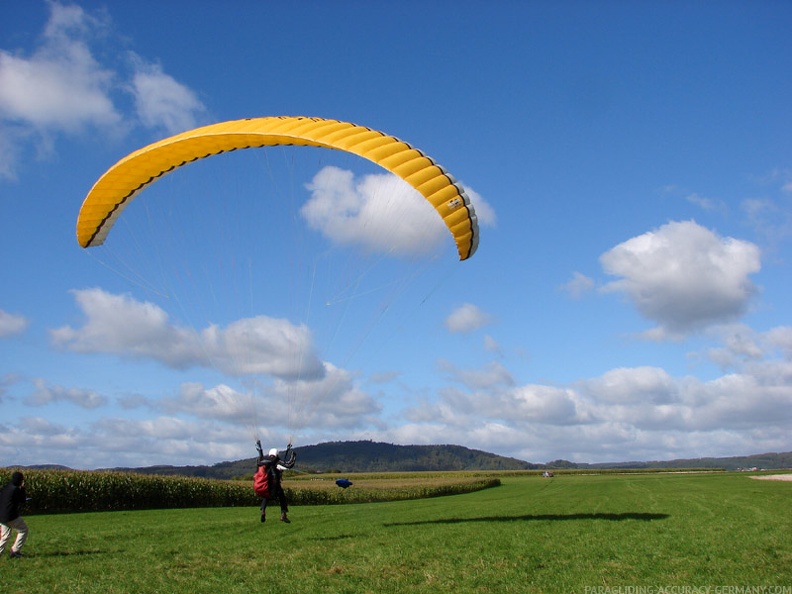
68	553
527	518
331	538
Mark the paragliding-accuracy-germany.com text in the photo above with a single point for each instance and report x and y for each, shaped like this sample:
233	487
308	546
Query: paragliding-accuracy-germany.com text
688	590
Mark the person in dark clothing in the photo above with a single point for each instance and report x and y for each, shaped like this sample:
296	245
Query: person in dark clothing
12	499
274	467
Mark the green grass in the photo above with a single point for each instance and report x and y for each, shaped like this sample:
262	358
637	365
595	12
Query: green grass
567	534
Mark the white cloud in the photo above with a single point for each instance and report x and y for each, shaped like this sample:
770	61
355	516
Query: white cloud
645	411
642	410
491	345
11	324
263	345
467	318
758	353
45	394
705	203
116	442
578	285
769	219
630	385
740	343
381	213
220	402
684	277
61	86
161	101
6	381
544	404
332	402
491	375
781	338
484	212
518	407
120	325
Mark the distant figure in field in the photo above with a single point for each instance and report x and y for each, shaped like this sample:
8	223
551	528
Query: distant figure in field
12	500
273	466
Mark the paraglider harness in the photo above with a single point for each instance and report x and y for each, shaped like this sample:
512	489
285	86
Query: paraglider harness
261	482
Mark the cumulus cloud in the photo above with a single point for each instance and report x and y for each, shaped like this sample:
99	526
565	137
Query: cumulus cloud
332	402
467	318
492	375
781	338
628	385
684	276
45	394
642	410
120	325
740	343
61	87
517	407
113	442
220	402
380	213
161	101
744	348
11	324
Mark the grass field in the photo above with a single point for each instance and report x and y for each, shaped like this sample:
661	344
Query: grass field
571	533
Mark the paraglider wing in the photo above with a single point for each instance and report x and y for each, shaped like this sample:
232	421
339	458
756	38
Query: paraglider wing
119	184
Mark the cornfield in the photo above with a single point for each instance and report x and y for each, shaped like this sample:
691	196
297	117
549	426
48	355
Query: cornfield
65	491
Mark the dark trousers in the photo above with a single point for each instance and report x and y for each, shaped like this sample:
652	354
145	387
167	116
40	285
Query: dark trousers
281	497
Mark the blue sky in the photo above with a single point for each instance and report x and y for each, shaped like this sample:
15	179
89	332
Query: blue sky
630	163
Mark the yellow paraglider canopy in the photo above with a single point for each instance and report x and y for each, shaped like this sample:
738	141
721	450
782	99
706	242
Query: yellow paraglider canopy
124	180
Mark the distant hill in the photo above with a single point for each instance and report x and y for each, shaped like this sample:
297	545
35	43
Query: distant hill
359	456
47	467
370	456
767	461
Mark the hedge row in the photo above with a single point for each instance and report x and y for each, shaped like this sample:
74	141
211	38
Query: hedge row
64	491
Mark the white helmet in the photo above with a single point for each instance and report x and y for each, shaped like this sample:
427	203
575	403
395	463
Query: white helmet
273	452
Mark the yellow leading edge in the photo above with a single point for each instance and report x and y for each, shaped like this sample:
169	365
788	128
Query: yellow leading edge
122	182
